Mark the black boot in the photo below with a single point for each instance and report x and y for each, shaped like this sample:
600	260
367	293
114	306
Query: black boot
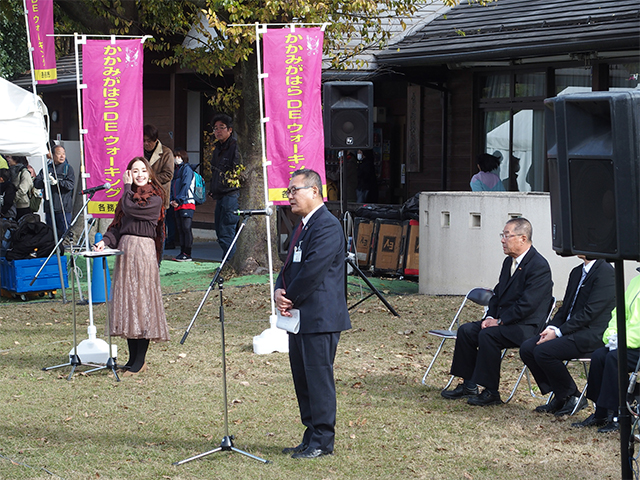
141	353
133	347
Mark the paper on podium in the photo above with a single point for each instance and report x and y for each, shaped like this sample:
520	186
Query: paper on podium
102	253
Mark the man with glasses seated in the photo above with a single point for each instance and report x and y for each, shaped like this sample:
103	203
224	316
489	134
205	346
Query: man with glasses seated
226	173
520	303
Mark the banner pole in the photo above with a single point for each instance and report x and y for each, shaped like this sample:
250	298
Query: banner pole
43	161
81	40
265	164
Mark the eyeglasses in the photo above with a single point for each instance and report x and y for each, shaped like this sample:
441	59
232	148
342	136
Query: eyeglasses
507	236
291	191
219	129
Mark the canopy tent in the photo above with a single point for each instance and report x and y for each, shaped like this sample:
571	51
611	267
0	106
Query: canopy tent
22	126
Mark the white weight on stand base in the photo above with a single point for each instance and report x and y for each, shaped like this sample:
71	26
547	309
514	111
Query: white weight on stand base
94	350
273	339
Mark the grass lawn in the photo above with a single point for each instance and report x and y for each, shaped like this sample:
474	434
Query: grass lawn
389	424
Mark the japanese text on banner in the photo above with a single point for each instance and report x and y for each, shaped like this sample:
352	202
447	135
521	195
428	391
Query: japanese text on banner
112	107
295	136
40	18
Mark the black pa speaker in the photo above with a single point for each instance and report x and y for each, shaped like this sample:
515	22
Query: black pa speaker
348	115
594	173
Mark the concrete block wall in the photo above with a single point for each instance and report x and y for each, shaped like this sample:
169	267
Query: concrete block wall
460	244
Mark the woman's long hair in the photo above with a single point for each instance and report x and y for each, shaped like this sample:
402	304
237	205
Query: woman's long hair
141	196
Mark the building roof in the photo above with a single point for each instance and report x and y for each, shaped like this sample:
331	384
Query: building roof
519	31
398	28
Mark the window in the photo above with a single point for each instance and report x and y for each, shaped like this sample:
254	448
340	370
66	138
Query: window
513	127
572	80
624	75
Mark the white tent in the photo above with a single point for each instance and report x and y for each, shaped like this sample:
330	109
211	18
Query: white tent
22	126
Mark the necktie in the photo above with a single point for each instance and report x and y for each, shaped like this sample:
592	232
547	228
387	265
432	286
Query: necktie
514	265
584	274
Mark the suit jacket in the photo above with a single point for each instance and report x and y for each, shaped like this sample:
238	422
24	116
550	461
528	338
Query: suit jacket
592	309
316	284
525	297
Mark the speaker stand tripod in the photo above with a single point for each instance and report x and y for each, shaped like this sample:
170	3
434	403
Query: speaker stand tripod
227	441
374	290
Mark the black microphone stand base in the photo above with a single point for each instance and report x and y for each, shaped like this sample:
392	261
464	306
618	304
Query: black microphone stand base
225	446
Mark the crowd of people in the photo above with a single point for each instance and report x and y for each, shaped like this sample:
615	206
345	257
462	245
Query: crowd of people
584	326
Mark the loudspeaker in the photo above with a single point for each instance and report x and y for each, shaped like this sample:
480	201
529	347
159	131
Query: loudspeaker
594	173
348	115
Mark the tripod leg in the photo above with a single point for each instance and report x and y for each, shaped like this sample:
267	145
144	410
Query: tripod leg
371	286
196	457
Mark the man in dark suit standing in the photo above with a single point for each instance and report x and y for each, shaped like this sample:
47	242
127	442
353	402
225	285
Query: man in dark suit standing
312	282
575	331
520	304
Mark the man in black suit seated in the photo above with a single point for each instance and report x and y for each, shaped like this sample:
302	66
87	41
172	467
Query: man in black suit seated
520	304
603	374
575	331
312	281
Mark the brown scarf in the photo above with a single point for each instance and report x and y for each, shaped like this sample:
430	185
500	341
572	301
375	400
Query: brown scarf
141	196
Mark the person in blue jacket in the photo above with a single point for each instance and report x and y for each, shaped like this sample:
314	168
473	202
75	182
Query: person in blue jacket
183	203
486	179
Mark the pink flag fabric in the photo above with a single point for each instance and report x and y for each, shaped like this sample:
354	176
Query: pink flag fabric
294	132
40	19
112	116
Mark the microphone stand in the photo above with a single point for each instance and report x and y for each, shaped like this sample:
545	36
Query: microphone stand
227	440
64	235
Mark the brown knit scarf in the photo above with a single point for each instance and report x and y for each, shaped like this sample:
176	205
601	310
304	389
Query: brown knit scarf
141	196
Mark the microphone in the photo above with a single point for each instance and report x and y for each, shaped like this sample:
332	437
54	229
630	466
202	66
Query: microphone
89	191
267	211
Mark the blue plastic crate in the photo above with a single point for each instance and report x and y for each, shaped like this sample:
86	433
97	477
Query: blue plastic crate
16	275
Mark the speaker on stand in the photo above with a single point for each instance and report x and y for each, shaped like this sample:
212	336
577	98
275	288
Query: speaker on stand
348	115
593	142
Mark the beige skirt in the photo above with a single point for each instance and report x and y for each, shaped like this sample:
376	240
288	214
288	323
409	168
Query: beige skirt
136	309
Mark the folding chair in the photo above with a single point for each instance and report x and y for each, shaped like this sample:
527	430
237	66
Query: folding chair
525	370
585	361
479	296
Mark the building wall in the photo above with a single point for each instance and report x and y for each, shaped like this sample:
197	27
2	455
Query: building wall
460	245
158	111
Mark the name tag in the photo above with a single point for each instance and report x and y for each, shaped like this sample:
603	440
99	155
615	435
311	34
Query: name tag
297	254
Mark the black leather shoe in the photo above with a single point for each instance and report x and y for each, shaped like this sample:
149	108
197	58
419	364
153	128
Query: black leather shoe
590	421
312	453
459	392
552	407
485	399
570	404
609	427
300	448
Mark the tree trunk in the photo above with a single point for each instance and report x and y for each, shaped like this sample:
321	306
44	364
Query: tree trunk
251	253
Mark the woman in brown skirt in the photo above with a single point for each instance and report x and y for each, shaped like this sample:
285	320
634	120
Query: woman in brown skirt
136	310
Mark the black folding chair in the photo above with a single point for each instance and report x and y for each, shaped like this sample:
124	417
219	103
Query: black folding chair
479	296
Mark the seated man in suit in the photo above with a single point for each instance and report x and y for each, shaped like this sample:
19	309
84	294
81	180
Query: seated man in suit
603	374
520	304
575	331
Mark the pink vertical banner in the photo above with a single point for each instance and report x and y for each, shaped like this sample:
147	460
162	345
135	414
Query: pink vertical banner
295	137
112	114
40	19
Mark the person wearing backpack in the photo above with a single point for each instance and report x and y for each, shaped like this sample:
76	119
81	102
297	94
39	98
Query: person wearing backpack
62	180
21	179
183	203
